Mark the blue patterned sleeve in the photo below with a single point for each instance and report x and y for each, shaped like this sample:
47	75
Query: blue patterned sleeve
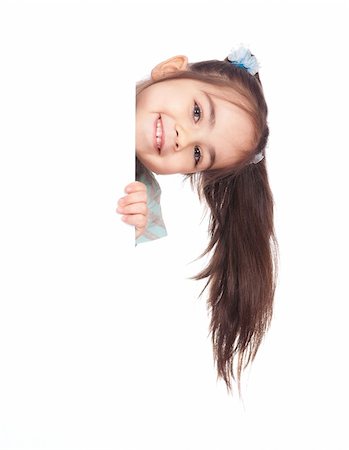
156	228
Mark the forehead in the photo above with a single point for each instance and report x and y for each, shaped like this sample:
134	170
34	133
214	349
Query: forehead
233	135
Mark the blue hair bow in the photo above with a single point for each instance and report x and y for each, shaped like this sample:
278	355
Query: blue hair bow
243	58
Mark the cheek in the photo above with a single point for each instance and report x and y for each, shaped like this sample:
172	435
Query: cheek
154	95
144	100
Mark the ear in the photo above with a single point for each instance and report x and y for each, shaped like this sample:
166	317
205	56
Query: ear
170	65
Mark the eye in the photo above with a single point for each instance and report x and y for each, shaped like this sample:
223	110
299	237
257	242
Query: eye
196	111
197	155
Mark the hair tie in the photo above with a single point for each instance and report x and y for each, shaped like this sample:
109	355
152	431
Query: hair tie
242	57
258	157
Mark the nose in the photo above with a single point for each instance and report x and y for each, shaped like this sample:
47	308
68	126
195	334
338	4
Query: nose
186	137
177	141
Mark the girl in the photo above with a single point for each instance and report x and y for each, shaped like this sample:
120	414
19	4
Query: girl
208	121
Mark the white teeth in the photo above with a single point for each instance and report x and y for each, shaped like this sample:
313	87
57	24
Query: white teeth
158	133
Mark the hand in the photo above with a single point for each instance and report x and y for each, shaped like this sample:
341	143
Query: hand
134	206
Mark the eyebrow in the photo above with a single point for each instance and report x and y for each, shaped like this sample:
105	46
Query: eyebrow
212	153
212	118
212	121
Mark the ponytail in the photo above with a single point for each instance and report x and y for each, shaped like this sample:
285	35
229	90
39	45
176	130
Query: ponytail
242	268
241	272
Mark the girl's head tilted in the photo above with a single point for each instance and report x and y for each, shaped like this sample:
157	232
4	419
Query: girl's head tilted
208	120
199	117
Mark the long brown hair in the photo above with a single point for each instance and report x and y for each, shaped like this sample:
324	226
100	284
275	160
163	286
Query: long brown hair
241	272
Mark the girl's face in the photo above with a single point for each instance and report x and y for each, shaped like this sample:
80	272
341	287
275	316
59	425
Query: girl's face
198	129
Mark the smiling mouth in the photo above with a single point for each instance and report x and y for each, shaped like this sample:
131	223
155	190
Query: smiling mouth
158	134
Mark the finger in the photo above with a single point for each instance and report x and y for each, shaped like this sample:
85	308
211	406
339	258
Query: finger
135	197
135	187
135	208
137	220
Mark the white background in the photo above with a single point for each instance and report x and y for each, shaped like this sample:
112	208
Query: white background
106	346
